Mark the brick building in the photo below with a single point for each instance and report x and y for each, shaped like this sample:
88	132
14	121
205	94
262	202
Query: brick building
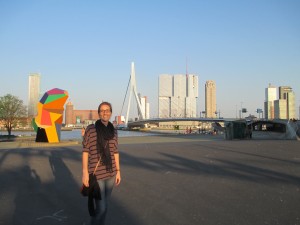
79	117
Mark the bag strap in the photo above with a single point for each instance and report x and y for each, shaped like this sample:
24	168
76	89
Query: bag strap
96	167
99	160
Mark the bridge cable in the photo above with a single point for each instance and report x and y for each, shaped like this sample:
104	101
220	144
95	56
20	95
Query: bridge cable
125	95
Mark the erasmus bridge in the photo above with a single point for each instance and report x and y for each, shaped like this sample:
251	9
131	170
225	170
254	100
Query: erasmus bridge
279	129
142	121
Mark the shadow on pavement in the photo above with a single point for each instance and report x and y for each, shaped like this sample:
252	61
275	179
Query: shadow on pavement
41	186
162	183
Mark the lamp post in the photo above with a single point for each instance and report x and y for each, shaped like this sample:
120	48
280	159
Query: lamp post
0	118
259	111
244	110
241	110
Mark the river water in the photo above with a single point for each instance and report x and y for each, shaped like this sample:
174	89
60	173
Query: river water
76	134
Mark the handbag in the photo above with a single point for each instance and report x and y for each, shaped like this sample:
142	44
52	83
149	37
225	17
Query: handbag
92	191
93	188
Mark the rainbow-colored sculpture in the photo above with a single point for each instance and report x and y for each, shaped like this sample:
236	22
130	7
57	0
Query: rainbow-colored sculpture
48	122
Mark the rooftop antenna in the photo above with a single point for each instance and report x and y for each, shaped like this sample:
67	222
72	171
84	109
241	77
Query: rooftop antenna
186	75
186	67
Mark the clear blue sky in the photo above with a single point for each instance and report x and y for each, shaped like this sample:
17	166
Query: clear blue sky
86	48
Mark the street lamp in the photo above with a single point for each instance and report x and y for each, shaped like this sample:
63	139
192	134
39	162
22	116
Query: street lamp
241	110
244	110
259	111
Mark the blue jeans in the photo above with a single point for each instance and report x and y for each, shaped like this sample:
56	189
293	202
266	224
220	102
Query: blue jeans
106	187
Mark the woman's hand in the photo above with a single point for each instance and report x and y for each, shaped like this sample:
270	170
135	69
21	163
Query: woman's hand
85	170
85	178
118	178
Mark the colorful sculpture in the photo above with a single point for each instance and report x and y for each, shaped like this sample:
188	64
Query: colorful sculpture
48	122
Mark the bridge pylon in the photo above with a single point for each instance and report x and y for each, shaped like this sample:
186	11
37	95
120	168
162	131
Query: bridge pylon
133	90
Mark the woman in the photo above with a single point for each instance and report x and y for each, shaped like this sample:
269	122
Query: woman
100	142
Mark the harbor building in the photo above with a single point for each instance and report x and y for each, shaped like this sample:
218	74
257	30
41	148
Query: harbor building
120	120
79	118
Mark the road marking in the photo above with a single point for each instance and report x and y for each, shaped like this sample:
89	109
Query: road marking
54	216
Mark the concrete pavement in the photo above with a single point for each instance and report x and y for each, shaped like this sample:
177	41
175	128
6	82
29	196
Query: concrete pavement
166	180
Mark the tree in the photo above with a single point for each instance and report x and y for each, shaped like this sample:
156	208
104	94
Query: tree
12	111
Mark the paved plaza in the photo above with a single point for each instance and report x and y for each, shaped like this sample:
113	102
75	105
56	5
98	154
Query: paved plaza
166	180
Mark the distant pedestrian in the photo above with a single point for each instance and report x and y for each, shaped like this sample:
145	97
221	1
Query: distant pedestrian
250	129
100	144
82	132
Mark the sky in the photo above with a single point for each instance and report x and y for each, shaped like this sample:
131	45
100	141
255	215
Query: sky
86	47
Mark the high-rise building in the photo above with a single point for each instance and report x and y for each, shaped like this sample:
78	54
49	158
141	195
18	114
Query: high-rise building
191	96
283	90
144	106
282	107
165	93
178	99
177	95
286	93
271	96
33	93
210	99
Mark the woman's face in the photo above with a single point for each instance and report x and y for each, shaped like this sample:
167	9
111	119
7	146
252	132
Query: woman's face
105	113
